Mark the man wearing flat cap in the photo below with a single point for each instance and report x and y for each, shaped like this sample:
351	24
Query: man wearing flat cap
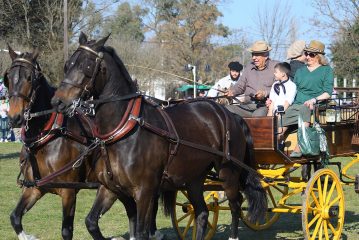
256	82
228	81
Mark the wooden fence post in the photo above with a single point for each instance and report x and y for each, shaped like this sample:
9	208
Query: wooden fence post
354	85
345	93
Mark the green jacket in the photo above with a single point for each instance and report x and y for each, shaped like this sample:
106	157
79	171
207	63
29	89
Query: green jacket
312	84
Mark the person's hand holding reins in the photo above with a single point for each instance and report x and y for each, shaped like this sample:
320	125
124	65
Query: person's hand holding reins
229	93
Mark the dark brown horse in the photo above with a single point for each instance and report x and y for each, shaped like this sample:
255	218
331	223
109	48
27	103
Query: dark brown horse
160	149
50	150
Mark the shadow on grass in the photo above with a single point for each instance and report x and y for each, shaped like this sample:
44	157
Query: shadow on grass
168	232
9	156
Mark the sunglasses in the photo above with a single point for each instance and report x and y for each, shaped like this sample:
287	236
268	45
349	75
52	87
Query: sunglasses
310	54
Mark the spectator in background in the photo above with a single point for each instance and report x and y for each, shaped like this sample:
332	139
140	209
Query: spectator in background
296	57
3	89
4	125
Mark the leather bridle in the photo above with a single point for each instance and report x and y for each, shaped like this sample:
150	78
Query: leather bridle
89	84
35	75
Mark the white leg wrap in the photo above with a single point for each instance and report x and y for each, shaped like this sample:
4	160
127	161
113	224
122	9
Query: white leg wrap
24	236
233	239
157	236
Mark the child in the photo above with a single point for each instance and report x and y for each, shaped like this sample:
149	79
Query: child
283	91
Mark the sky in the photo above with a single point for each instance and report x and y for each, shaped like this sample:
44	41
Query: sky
241	14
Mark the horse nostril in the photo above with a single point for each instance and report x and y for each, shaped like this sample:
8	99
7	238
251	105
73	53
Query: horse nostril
15	121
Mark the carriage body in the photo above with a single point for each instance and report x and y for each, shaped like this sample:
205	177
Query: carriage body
286	181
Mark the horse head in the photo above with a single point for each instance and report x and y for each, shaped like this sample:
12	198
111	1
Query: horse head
22	80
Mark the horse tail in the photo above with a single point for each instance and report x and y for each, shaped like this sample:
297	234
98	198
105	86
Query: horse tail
168	199
250	181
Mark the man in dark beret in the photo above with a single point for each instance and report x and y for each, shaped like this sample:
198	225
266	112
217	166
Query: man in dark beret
224	84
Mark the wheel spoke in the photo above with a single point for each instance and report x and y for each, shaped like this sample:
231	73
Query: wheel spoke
325	187
188	225
320	193
272	197
210	225
315	199
315	232
326	229
332	228
330	193
185	194
183	217
313	220
321	231
334	201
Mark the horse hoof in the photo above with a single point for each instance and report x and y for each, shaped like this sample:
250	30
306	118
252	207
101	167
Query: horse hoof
117	238
24	236
157	236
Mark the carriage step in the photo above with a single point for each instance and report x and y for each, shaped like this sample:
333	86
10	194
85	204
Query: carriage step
356	183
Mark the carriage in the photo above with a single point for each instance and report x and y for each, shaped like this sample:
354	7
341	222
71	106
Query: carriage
322	206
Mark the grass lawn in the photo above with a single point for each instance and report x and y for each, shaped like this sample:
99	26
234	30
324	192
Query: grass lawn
44	220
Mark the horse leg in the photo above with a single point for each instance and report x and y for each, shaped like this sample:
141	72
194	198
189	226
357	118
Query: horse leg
195	195
145	199
68	212
104	201
231	188
154	233
28	198
131	210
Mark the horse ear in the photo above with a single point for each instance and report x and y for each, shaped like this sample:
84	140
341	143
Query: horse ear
102	41
82	38
12	53
35	54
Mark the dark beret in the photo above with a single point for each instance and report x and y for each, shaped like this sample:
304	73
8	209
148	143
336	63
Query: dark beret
235	66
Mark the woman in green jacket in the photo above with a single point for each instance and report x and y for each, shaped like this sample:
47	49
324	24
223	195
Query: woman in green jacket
314	83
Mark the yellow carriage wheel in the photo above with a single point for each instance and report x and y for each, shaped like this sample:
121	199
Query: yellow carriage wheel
183	217
323	206
274	194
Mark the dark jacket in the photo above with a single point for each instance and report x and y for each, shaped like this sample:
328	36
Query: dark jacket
294	66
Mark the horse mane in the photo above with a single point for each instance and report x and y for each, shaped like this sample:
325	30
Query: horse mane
121	65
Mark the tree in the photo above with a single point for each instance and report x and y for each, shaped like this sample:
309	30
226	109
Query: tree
126	22
340	19
345	51
184	28
275	26
335	15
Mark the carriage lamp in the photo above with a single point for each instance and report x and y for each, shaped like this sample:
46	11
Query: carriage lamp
331	116
330	113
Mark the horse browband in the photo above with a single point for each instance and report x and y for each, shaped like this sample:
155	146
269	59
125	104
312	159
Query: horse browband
26	61
99	55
